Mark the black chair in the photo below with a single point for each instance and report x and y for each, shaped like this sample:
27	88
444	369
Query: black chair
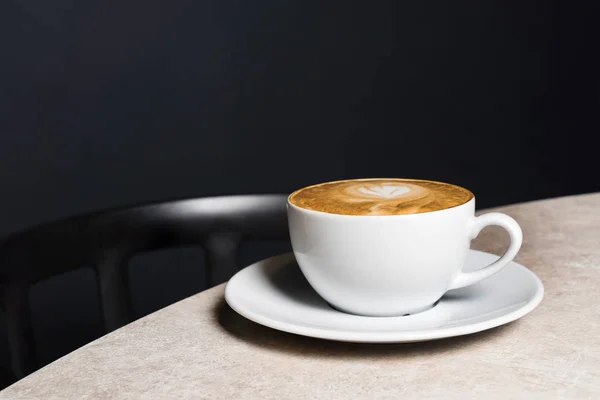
105	240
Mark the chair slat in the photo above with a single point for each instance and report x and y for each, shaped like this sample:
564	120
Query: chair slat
222	250
113	285
19	328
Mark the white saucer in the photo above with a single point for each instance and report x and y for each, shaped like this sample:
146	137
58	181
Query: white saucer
274	293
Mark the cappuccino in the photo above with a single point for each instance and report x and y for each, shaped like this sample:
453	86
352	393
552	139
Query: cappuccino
380	196
362	254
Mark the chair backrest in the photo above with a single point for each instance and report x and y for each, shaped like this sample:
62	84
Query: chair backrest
106	240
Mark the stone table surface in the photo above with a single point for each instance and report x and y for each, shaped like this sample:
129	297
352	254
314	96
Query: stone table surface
200	348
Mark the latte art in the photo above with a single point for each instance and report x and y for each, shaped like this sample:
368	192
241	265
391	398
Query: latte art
387	191
380	197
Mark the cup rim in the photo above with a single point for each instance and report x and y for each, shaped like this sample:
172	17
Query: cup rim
289	202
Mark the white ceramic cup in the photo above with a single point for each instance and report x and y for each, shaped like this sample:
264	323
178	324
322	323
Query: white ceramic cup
395	264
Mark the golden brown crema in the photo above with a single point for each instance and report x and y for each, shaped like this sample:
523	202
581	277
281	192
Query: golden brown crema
380	196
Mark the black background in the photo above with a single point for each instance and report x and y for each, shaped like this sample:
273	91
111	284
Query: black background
109	103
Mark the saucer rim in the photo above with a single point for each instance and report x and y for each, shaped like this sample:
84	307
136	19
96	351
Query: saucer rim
404	336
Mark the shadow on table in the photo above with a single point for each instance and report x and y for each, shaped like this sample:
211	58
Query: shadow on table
275	340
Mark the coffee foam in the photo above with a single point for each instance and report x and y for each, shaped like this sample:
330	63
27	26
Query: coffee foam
380	197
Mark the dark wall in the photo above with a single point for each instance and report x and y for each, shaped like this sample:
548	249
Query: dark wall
108	103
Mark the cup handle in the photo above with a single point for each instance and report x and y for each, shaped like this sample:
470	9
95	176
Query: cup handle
516	238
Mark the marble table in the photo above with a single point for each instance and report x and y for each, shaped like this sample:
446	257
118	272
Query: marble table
200	348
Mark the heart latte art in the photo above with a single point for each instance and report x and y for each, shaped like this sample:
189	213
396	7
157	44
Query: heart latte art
380	197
